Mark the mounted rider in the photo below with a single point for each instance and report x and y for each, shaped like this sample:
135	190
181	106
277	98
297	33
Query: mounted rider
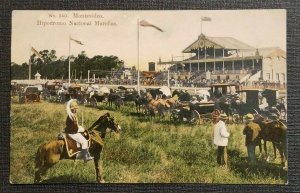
73	130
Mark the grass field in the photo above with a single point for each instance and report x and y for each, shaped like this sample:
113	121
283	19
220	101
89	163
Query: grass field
144	152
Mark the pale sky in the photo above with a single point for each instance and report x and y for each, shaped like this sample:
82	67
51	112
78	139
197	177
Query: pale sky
258	28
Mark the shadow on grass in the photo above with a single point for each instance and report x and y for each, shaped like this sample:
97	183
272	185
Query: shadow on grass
240	166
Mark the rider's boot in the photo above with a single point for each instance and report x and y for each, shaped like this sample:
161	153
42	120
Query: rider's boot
86	155
80	155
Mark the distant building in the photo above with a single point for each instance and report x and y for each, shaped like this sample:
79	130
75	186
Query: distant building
37	76
151	66
228	58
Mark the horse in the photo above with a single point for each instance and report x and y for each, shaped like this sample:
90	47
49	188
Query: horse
114	98
274	131
140	102
52	152
224	104
154	105
171	102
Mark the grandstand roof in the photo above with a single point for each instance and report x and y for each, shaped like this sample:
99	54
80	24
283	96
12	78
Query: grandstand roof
217	42
267	52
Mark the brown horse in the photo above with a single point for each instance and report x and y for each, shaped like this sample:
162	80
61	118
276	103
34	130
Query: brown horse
51	152
274	131
170	102
154	105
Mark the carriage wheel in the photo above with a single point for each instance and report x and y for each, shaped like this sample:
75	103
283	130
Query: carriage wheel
173	117
195	117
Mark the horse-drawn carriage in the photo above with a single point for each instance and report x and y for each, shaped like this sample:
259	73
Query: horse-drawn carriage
75	92
219	90
127	94
51	91
258	101
193	112
96	94
276	106
29	94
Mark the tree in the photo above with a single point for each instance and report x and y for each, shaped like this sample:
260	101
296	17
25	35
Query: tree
52	68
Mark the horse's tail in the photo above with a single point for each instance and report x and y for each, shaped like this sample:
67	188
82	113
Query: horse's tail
40	156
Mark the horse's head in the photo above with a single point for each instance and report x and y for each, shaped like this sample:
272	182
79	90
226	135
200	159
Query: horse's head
106	121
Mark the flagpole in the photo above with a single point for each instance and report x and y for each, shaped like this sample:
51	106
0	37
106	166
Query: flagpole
168	78
29	65
138	56
69	60
201	25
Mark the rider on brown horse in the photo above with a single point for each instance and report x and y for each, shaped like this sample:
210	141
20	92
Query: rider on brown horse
73	130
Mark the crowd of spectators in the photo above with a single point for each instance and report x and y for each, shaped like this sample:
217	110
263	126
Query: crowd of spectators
196	79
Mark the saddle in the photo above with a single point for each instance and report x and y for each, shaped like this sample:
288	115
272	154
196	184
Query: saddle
71	144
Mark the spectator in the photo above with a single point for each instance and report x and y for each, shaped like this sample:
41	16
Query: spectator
251	131
220	138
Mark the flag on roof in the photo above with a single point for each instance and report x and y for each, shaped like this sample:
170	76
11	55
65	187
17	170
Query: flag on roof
36	52
205	18
77	41
147	24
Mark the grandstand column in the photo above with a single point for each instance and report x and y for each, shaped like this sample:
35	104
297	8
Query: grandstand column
233	65
214	60
205	58
198	56
190	63
243	64
252	64
223	60
168	78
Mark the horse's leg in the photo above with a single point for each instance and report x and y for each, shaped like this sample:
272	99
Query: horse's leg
260	148
38	174
266	150
274	148
97	153
280	149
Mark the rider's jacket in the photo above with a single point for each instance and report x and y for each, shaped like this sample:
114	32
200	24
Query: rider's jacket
71	126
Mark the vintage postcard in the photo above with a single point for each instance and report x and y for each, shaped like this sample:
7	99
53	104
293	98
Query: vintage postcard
190	96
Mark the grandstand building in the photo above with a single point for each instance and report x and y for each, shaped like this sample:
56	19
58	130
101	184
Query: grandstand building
226	58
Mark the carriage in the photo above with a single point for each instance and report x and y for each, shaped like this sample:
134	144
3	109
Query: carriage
199	112
29	94
276	106
51	89
219	90
248	102
97	95
258	101
74	92
127	94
